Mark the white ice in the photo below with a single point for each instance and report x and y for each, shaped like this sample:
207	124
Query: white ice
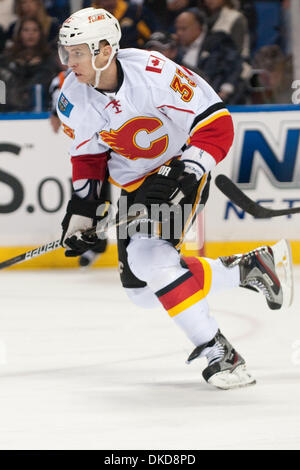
83	368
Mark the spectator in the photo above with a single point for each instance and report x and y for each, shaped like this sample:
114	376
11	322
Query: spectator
163	42
222	16
212	54
273	78
34	9
165	11
59	9
29	62
137	23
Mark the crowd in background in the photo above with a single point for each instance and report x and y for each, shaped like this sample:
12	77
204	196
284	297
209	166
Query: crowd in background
241	47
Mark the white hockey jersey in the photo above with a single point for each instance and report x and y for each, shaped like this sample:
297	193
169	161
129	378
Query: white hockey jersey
158	108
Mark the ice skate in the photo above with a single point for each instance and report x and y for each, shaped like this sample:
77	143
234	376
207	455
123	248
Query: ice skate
259	271
226	368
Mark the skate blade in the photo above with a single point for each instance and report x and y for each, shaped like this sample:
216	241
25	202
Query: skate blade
284	270
237	378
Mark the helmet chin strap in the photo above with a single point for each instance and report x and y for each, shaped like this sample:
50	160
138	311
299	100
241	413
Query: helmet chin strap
99	70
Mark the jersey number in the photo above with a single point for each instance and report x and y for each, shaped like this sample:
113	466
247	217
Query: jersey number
184	89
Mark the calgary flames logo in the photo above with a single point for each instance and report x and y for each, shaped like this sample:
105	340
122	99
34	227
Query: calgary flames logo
123	140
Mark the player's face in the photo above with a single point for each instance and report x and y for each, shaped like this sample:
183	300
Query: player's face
79	59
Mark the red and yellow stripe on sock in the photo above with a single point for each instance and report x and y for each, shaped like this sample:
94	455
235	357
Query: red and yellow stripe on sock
188	289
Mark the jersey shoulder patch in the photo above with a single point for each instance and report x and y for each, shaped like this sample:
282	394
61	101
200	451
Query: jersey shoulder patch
64	105
155	64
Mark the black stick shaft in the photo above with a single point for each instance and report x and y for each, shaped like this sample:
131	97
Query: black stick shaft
239	198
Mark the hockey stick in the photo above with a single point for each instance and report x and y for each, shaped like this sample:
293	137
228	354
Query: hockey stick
41	250
230	189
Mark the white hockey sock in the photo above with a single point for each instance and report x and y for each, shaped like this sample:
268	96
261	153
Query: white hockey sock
197	324
223	278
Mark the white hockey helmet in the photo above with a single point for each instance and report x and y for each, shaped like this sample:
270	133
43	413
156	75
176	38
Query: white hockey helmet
89	26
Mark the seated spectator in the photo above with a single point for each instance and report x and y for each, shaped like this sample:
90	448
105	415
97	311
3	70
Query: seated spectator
164	43
136	22
165	11
222	16
272	80
34	9
211	54
58	9
27	66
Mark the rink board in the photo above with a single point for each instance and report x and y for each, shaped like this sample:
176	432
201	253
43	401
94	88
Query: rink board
35	185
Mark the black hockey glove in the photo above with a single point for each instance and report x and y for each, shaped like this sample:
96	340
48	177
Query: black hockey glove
80	216
171	184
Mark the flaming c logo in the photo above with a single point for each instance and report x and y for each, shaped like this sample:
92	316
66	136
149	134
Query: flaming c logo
123	140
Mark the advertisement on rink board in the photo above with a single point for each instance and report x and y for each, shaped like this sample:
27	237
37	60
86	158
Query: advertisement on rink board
35	178
35	181
264	162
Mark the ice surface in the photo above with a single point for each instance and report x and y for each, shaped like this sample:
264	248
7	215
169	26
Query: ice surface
83	368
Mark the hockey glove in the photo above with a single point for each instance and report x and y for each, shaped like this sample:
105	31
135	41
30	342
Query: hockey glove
80	216
171	184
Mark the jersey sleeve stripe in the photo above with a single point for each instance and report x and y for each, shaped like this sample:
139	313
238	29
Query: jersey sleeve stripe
177	109
209	120
208	112
215	138
82	143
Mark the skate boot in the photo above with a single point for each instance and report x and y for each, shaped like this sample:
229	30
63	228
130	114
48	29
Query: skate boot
226	368
258	272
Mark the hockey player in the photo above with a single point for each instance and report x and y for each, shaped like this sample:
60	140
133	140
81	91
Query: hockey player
161	130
